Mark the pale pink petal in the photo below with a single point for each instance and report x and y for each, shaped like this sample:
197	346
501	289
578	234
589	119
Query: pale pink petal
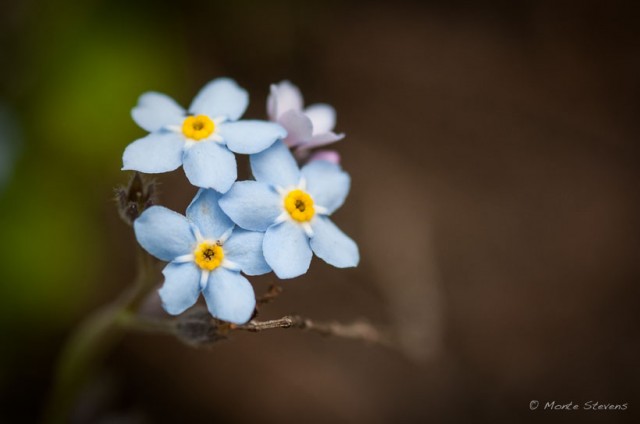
284	97
272	105
298	127
322	140
328	155
323	117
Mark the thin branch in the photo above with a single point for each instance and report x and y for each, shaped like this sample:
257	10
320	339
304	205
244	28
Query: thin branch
198	328
257	326
357	330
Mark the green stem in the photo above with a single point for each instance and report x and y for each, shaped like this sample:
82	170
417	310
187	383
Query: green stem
94	338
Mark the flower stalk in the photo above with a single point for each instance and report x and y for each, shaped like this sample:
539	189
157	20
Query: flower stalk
92	341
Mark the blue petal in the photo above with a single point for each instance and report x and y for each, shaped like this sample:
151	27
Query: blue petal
333	246
229	296
252	205
210	165
327	183
221	97
181	287
286	249
245	249
157	152
155	111
205	212
248	137
164	233
276	166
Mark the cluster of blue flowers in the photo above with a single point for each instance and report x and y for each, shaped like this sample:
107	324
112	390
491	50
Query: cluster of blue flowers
276	222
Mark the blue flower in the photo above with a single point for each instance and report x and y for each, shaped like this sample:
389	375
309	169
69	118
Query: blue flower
206	253
293	206
201	140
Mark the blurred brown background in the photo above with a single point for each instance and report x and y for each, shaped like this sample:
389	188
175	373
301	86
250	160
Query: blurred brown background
495	199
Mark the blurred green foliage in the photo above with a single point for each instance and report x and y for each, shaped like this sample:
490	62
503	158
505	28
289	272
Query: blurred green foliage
84	113
50	247
75	77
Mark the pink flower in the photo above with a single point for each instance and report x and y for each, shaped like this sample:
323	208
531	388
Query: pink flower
307	128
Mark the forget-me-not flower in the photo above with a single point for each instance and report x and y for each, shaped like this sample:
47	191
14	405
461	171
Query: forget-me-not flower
306	128
201	140
293	206
206	253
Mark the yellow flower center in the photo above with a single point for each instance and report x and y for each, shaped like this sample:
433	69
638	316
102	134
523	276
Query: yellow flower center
208	256
198	127
299	205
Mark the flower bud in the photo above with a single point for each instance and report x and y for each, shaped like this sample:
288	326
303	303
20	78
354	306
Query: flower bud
197	327
137	196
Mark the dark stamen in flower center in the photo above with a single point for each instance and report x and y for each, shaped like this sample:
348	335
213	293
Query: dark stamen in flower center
300	205
209	254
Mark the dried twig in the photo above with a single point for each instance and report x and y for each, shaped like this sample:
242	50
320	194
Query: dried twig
198	328
357	330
